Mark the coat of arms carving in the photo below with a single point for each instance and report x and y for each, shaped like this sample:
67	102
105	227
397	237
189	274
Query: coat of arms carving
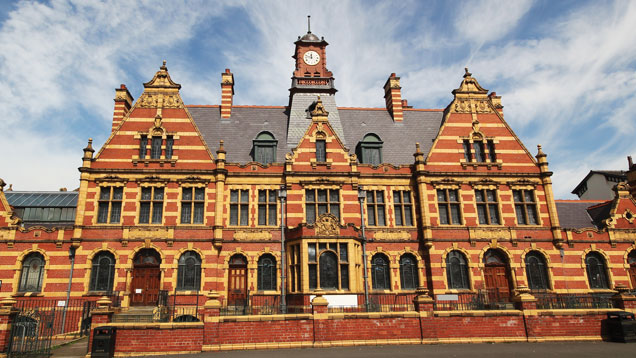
327	225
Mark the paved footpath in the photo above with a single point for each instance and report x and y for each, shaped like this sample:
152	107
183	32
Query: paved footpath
512	350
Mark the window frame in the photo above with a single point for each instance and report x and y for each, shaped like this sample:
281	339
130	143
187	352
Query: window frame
109	204
376	209
404	274
487	206
447	206
382	271
194	204
264	140
602	274
24	285
542	271
316	205
321	151
154	205
370	141
262	272
182	267
462	270
524	205
315	268
242	207
402	207
269	208
96	269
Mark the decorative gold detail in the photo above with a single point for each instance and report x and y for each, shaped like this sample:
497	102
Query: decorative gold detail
319	109
624	235
446	183
490	234
110	178
149	233
245	235
327	225
392	235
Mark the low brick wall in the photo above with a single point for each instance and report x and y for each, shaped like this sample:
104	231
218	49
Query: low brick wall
566	325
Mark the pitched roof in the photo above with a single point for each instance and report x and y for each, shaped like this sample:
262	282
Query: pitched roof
618	173
573	214
42	199
247	122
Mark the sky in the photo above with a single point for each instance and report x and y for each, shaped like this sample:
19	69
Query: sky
566	70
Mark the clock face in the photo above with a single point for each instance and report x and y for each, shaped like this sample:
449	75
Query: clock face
311	58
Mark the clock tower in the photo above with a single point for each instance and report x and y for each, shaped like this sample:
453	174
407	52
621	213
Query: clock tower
310	80
311	72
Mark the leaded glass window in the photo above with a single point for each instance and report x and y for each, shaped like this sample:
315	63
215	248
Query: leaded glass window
487	207
169	145
109	206
102	272
32	273
151	206
479	151
402	208
449	207
267	208
321	201
468	155
143	144
457	271
328	266
409	278
321	150
155	147
492	155
525	207
189	271
596	271
536	271
264	150
266	273
375	208
380	275
192	205
239	207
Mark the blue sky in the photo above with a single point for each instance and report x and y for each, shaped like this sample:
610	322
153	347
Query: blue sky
565	69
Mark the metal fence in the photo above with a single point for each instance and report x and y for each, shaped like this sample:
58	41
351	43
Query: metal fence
74	321
573	301
179	307
467	301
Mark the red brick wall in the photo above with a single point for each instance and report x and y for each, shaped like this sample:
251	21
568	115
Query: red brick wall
480	327
163	340
348	329
553	326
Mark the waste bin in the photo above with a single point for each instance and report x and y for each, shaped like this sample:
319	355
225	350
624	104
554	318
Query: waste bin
103	342
622	326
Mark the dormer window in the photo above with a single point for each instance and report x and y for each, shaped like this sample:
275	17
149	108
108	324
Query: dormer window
370	149
264	150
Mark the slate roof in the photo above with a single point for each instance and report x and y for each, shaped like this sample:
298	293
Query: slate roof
42	199
247	122
573	214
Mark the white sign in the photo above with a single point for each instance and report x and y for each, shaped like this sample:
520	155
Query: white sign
339	300
61	303
137	290
448	297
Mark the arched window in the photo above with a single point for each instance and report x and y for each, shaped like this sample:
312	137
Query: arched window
536	271
189	272
457	271
264	150
32	273
380	272
328	270
596	270
103	272
370	149
266	273
409	279
631	261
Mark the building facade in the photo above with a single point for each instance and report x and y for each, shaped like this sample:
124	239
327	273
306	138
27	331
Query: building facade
266	202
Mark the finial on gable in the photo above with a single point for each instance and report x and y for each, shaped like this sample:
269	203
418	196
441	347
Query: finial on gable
319	112
470	86
162	79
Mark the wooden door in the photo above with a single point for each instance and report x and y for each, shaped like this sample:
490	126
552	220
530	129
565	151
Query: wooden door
632	276
237	287
497	283
145	286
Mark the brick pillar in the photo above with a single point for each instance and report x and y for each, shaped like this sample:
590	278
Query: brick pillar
393	97
210	314
527	303
100	316
424	304
7	313
227	93
623	300
319	309
123	103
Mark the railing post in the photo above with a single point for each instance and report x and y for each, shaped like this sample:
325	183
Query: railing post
423	301
210	316
523	299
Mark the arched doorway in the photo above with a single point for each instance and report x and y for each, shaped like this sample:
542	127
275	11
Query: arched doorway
237	277
497	276
146	278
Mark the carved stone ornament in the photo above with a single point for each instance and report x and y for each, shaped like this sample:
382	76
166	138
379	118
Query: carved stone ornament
259	235
149	233
489	234
392	235
327	225
153	100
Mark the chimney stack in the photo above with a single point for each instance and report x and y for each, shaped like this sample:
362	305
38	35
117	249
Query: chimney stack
227	93
393	97
123	102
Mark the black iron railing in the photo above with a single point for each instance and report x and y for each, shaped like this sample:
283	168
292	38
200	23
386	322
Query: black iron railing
467	301
573	301
77	312
178	307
